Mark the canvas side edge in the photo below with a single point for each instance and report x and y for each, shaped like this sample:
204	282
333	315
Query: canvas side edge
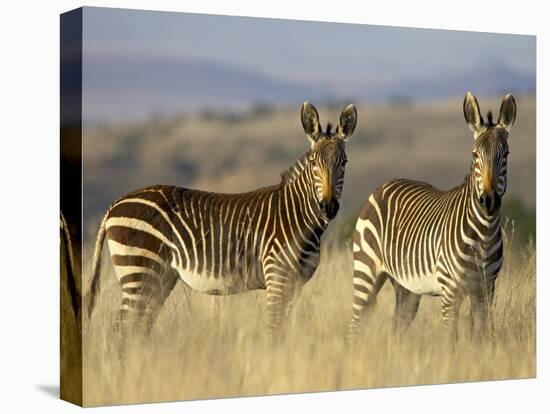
71	378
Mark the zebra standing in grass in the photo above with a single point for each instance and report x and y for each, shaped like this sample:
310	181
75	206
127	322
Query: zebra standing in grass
223	244
432	242
68	266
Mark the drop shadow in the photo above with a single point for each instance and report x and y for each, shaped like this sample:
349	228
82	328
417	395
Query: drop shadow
50	389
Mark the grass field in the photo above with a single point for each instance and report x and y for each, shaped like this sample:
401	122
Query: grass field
205	346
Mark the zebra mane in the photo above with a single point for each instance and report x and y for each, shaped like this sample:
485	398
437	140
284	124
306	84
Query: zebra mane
296	169
490	122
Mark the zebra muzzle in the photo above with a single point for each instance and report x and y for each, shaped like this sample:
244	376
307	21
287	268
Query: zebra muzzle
330	208
490	202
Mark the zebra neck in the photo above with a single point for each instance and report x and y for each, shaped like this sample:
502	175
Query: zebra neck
483	228
301	191
296	169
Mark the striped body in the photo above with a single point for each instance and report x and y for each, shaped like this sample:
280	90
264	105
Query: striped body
216	243
223	244
432	242
450	237
429	242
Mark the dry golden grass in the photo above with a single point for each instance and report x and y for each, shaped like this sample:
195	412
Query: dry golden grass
204	346
70	388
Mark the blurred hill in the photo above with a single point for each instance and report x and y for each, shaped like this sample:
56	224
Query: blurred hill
240	151
483	80
131	87
170	86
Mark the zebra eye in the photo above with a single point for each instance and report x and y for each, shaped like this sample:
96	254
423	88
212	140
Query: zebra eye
475	156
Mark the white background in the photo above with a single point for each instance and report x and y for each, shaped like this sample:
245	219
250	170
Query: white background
29	134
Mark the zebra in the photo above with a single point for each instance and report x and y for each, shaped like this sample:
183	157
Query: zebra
224	244
68	266
433	242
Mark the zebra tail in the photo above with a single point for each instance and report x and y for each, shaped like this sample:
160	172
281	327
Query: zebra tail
96	266
70	266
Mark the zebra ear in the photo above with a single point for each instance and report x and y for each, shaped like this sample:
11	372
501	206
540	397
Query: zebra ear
348	120
507	112
310	122
471	112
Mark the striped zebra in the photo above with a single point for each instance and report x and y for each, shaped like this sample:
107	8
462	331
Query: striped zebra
439	243
223	244
68	266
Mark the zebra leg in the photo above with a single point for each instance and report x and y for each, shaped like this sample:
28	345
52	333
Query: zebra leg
280	291
450	306
481	300
406	307
157	300
367	282
368	274
296	293
143	295
451	299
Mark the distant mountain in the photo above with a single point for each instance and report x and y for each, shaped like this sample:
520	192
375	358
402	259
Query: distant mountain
493	78
126	88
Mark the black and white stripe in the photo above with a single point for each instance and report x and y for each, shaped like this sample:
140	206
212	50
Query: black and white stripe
432	242
223	244
68	266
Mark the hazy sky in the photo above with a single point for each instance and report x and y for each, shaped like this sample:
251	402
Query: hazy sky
298	50
343	59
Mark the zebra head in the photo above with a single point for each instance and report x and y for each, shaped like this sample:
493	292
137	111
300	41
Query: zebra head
490	150
328	155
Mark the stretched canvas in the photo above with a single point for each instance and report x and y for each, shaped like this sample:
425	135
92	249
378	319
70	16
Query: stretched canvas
259	206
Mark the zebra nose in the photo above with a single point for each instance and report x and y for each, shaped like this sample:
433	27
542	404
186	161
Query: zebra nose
487	201
482	198
330	208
